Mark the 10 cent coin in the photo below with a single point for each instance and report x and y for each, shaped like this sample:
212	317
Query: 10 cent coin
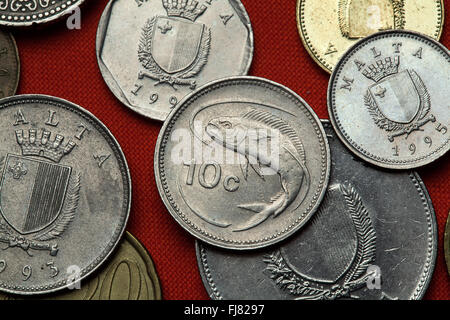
242	163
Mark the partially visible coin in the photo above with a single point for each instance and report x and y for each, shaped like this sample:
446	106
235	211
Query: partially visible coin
65	194
328	28
152	53
388	99
447	243
21	13
373	237
128	275
242	163
9	65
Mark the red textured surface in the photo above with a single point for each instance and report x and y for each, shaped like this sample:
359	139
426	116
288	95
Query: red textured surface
62	62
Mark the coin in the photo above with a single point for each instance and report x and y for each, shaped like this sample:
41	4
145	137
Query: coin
128	275
21	13
151	54
64	197
447	243
387	100
242	163
373	237
329	28
9	65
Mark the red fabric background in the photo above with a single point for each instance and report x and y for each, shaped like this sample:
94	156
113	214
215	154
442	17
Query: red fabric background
62	63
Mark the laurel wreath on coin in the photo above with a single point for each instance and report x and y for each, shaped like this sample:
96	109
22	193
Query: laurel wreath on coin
399	15
157	73
397	128
37	241
353	279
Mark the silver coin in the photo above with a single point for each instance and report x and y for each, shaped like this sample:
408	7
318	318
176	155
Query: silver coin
151	54
64	197
21	13
373	237
388	101
242	163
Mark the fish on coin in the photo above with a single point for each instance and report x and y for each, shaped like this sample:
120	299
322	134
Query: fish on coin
374	237
242	163
292	155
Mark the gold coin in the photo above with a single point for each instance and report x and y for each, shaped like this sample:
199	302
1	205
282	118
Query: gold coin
447	243
129	275
329	28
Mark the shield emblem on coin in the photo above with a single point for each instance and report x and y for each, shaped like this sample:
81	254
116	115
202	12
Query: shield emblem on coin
396	97
176	43
326	248
32	193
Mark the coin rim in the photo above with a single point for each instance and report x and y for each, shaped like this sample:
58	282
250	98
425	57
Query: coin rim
425	277
51	17
331	105
301	27
151	269
114	86
447	243
125	174
231	244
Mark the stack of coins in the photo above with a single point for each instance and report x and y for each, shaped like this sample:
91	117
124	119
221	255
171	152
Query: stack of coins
282	204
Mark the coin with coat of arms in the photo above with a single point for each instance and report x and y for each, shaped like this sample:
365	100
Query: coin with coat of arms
373	237
388	99
65	194
21	13
128	275
242	163
328	28
153	53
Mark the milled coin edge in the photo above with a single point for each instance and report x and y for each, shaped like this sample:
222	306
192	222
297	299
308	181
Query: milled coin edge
423	284
232	244
56	15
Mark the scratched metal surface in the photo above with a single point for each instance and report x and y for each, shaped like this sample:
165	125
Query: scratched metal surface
369	218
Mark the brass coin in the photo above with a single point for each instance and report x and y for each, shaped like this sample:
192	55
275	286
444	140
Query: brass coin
129	275
328	28
9	65
447	243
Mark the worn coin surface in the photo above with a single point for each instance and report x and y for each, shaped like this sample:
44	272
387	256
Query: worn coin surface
64	197
329	28
9	65
447	243
373	237
21	13
242	163
388	99
152	53
128	275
